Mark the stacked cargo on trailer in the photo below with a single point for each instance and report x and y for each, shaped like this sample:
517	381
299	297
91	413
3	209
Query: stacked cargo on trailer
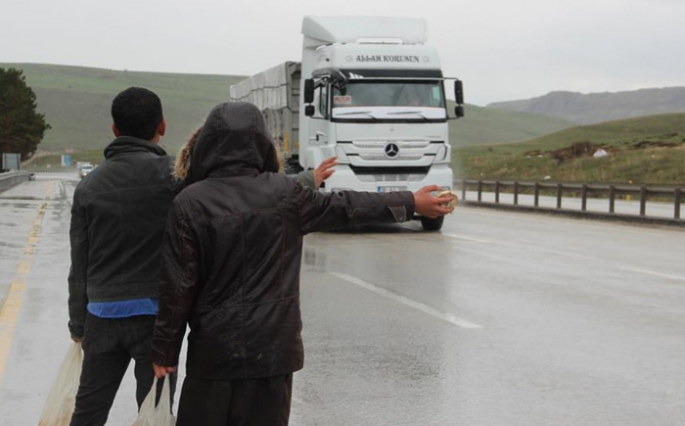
276	92
368	91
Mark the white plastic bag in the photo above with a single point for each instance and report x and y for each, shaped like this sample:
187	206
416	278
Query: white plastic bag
62	398
150	415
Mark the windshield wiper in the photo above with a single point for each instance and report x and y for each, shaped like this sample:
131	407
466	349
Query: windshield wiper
367	113
411	112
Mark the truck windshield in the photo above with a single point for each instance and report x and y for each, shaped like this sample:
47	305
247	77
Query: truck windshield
377	93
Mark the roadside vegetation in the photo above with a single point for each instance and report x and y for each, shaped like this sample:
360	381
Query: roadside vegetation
21	127
641	150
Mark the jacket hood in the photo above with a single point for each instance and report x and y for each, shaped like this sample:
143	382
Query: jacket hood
234	141
127	144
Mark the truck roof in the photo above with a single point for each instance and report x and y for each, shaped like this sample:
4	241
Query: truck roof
351	29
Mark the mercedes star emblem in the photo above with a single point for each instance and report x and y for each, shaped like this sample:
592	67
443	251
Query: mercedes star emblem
392	150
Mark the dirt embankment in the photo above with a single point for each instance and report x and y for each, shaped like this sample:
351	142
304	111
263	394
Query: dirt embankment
577	150
589	149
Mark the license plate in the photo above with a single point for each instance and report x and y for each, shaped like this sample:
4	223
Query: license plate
391	188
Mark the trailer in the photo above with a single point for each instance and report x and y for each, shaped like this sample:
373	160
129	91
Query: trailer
276	92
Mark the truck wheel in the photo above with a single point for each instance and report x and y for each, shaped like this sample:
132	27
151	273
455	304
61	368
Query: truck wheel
292	166
432	224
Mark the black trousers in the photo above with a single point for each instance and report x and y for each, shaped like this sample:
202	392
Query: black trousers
108	347
248	402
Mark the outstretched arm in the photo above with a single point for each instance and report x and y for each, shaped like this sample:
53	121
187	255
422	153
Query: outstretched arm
322	211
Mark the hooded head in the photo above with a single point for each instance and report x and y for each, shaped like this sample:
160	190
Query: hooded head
234	141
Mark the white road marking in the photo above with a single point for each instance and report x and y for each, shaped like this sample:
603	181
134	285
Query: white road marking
407	301
648	272
461	237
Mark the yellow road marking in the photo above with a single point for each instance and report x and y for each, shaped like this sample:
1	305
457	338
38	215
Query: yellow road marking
10	309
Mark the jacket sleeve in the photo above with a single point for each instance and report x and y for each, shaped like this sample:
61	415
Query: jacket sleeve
78	272
178	286
305	178
323	211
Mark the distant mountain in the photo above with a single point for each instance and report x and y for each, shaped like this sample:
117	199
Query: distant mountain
599	107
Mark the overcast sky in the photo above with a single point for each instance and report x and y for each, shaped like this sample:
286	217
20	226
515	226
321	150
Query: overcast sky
502	49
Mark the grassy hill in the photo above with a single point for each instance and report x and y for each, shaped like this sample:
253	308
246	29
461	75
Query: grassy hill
76	102
642	150
491	126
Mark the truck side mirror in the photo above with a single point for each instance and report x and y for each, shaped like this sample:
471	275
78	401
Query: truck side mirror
459	92
309	91
459	111
309	110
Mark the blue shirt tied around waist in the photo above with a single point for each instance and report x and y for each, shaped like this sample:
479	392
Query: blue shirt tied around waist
124	308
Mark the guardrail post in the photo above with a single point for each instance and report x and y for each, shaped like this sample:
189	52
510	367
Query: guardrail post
559	189
677	197
584	197
612	199
480	191
496	191
516	193
463	189
643	200
537	194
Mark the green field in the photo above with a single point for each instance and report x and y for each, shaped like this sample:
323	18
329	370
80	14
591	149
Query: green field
76	103
483	126
641	150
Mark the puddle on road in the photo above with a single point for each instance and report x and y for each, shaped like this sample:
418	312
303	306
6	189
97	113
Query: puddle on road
22	198
20	206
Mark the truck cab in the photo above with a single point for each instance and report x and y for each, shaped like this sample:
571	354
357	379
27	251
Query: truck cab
374	96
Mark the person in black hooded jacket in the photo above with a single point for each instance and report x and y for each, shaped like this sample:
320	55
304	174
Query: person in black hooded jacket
231	270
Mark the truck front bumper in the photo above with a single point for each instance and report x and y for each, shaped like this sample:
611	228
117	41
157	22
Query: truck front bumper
345	179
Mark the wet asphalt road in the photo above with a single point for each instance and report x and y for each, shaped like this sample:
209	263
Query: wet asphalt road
501	319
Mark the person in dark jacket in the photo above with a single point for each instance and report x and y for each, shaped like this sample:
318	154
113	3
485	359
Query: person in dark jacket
231	270
117	222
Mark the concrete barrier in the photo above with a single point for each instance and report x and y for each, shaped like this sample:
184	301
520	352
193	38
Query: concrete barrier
11	179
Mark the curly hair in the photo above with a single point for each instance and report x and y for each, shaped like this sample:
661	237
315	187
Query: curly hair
182	164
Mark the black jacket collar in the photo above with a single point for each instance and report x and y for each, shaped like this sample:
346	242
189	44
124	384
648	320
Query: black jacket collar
128	144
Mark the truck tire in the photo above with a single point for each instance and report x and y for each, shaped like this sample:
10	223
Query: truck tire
432	224
292	166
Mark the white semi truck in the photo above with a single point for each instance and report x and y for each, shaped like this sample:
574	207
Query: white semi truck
369	91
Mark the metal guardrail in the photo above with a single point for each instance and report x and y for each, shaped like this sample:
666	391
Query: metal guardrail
611	191
10	179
